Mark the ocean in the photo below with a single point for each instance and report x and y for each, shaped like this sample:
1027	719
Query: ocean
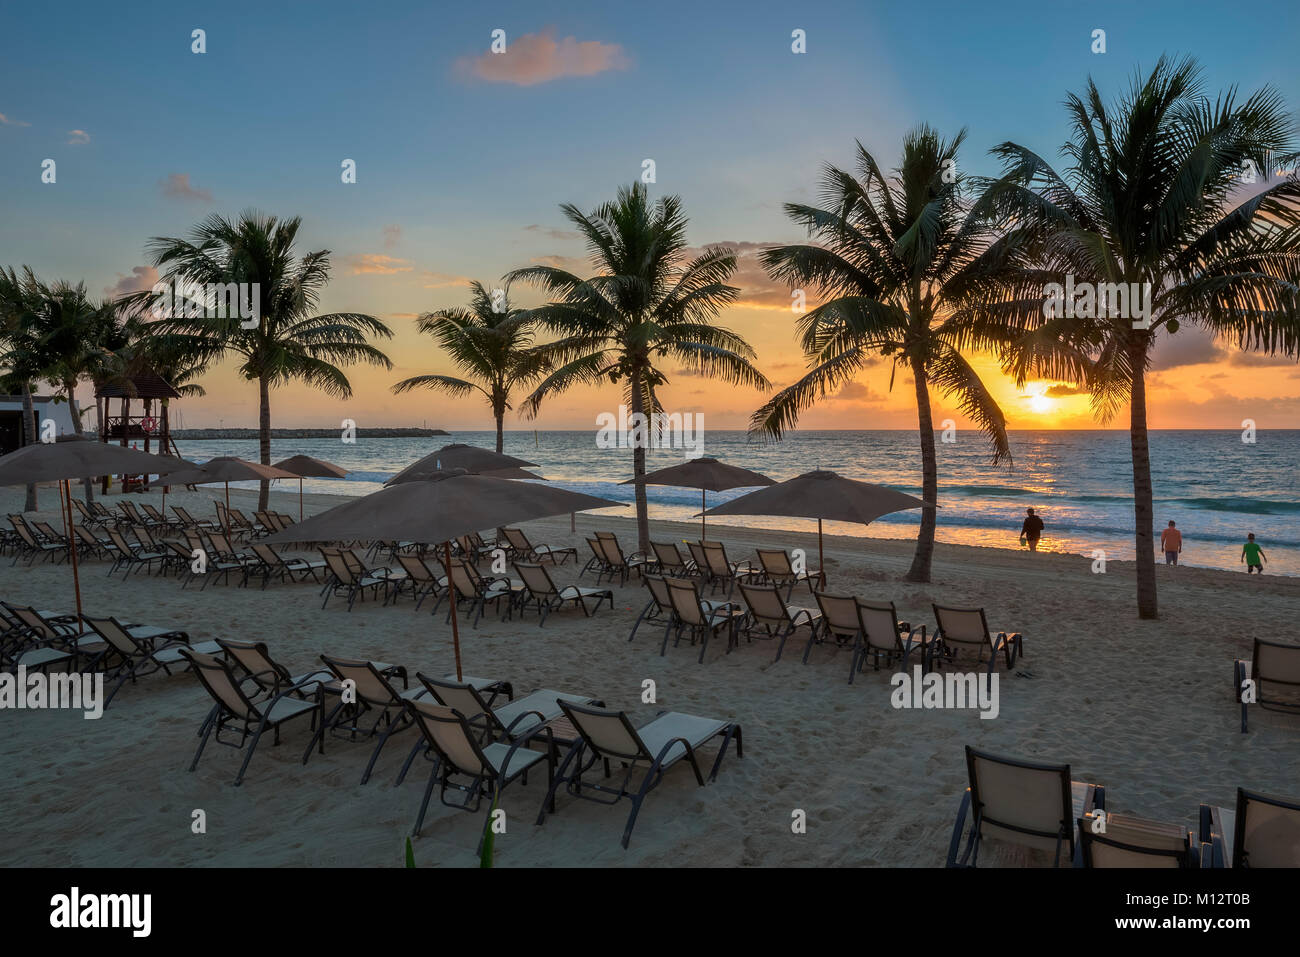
1215	486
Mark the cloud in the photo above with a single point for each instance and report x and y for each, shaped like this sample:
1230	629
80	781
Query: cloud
403	315
1190	346
553	233
574	264
1060	390
141	278
392	234
858	392
1239	358
10	121
377	264
78	137
440	280
177	186
535	58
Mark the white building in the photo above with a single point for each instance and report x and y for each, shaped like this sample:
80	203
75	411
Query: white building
44	407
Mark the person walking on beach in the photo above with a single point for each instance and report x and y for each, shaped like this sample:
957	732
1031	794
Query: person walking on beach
1032	530
1171	540
1253	555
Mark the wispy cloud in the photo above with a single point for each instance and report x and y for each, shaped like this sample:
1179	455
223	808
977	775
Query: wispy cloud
1061	390
440	280
377	264
552	233
6	120
178	186
78	137
535	58
141	278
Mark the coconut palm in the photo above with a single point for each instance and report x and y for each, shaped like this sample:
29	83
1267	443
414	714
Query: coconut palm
1155	197
16	296
649	302
895	260
491	343
286	340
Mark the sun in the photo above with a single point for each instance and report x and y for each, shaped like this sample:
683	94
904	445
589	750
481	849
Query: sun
1041	404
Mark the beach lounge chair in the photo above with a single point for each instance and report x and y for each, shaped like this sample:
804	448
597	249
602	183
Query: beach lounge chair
102	512
490	769
132	557
420	580
768	611
270	676
1274	675
133	516
271	564
965	631
527	551
474	590
30	546
38	640
778	570
139	650
240	523
373	692
669	560
157	519
344	577
840	621
1026	803
474	548
1128	841
88	518
88	544
190	522
652	749
711	557
540	590
1261	831
234	708
884	634
616	563
596	562
700	618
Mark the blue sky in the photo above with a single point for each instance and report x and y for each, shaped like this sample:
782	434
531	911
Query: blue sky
454	168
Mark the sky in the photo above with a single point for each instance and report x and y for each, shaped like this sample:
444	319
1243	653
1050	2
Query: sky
463	157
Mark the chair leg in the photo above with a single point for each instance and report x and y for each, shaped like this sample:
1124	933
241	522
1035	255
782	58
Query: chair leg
207	731
257	736
428	793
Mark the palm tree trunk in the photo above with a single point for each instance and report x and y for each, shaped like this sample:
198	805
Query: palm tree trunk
921	560
501	417
264	437
29	437
70	388
638	470
1143	509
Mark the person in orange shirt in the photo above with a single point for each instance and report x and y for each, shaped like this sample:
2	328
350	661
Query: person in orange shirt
1171	540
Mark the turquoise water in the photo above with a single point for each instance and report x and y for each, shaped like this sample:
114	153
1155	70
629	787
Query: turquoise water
1212	484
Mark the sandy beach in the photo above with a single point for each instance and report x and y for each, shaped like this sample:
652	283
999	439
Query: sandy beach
1143	708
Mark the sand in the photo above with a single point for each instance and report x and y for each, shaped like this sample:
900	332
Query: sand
1144	708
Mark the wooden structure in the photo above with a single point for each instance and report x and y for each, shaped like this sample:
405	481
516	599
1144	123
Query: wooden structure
146	422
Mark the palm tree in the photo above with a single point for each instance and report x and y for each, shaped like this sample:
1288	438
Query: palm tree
16	296
647	303
896	259
1152	199
288	341
491	343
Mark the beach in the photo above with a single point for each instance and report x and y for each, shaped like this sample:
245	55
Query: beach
1144	708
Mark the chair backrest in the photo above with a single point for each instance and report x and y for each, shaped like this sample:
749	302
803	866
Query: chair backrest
128	509
1267	831
82	510
179	550
685	598
536	579
611	552
111	630
185	517
240	518
85	535
99	509
221	544
271	522
697	555
879	620
597	552
415	568
766	606
334	561
608	733
667	555
775	562
116	538
255	658
372	687
457	695
353	561
517	539
153	513
32	619
285	520
462	576
48	532
1133	842
658	586
142	536
1275	669
450	735
221	683
715	554
839	612
24	532
964	626
1021	801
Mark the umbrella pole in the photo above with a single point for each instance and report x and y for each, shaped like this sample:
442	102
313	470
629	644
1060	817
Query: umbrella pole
300	498
227	509
703	500
821	558
451	595
72	546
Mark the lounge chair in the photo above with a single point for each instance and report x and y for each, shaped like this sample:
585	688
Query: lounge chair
965	631
1027	803
88	544
527	551
840	621
711	558
778	570
883	634
669	560
344	577
768	611
271	563
141	650
1261	831
102	512
1126	841
605	736
29	545
420	580
616	563
475	590
38	640
597	561
1274	675
232	706
540	590
157	518
132	557
190	522
700	618
474	548
490	769
88	518
272	677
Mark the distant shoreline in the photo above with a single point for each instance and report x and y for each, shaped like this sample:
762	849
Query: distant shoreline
201	434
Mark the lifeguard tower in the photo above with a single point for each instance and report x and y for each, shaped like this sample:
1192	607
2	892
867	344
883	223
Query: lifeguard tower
146	423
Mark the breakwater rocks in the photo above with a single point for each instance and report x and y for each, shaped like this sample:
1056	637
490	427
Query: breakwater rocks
193	434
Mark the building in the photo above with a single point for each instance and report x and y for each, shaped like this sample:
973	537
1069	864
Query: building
44	408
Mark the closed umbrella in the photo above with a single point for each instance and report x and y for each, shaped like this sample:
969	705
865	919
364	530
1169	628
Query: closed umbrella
821	495
707	475
442	507
227	469
72	458
306	466
471	458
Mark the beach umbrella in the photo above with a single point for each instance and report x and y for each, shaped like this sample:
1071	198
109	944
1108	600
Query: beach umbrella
514	474
707	475
471	458
444	506
227	469
821	495
72	458
306	466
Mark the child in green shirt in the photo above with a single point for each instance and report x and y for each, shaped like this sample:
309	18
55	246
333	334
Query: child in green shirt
1253	555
